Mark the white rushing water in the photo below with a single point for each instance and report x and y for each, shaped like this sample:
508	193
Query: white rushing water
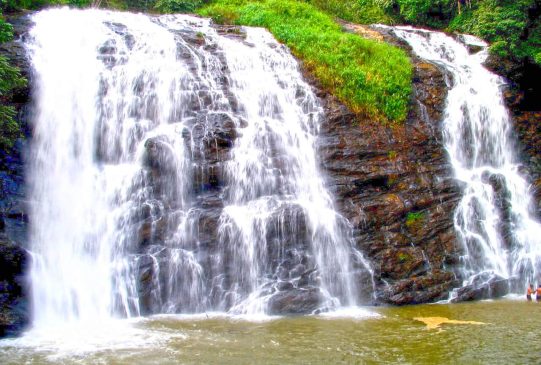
125	159
494	219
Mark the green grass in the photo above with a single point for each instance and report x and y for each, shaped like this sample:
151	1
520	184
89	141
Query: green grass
513	27
372	78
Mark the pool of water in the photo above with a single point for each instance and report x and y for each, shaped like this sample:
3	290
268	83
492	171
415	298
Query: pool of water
495	332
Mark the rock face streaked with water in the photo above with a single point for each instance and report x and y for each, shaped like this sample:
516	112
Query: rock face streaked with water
395	185
495	221
184	176
174	170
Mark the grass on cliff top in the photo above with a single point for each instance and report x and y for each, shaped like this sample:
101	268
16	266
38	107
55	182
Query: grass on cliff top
370	77
511	26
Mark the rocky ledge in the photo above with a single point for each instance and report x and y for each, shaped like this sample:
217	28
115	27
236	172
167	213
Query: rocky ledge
394	184
526	122
13	286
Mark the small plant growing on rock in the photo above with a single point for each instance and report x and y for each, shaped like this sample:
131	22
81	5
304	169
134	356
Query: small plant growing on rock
414	218
403	257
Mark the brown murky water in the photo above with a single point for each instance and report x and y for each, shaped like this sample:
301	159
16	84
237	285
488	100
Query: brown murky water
491	332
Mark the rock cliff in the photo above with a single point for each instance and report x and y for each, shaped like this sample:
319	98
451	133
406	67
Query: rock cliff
392	182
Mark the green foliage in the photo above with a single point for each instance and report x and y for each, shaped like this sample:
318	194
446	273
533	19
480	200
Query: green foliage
371	77
512	27
178	6
403	257
10	78
434	13
358	11
414	218
14	5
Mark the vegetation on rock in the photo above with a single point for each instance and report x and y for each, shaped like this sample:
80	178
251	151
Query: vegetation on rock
414	218
10	78
371	77
512	27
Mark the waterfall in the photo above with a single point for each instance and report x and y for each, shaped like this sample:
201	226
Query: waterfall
494	220
173	169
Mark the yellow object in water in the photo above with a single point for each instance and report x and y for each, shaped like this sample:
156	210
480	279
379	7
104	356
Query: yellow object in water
435	322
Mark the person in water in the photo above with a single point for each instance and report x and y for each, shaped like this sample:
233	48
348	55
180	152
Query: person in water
529	292
538	293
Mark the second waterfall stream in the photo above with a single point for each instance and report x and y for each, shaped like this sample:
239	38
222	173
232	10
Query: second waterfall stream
495	220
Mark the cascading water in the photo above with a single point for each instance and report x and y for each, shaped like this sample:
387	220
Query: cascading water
494	219
173	170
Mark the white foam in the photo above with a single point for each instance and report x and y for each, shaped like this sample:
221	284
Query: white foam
351	313
82	338
258	318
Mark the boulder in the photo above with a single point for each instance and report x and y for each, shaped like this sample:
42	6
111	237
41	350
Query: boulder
494	287
295	301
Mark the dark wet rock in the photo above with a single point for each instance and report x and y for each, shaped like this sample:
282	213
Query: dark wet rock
14	306
158	154
146	288
224	131
287	229
296	301
419	289
398	263
395	185
502	199
122	30
522	77
494	287
14	259
284	286
233	31
297	271
308	278
526	117
207	225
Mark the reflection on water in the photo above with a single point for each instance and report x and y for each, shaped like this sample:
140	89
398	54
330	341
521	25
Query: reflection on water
363	336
